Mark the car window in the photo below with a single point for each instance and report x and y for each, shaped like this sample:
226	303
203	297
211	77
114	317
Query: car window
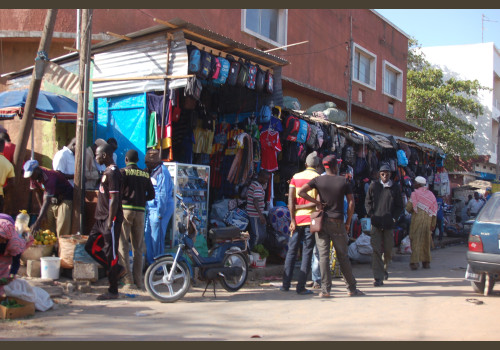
491	211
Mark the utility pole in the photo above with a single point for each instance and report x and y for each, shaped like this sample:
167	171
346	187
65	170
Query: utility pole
34	89
82	122
498	152
349	103
484	19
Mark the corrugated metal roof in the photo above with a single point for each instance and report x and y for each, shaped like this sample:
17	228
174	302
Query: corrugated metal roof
140	58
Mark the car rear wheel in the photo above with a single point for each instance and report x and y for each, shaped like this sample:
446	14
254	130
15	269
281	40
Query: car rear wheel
479	287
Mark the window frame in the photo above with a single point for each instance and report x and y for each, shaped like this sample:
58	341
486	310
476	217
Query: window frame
373	66
282	28
399	81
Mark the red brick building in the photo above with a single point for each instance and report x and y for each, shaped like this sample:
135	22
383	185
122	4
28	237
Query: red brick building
318	69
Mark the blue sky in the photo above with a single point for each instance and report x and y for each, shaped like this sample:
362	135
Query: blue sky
447	26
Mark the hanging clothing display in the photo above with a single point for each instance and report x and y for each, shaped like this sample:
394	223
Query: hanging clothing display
270	144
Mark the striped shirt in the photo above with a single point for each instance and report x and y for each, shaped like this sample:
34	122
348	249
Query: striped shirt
255	190
303	216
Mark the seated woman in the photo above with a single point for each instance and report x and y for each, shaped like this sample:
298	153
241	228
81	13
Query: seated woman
11	247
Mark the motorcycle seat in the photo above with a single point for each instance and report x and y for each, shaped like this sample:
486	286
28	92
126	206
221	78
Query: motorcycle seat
223	233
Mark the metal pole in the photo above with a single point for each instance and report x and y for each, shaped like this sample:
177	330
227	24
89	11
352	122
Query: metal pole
34	89
78	29
349	104
498	152
162	133
78	193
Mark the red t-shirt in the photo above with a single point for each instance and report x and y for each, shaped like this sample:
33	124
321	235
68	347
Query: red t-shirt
8	151
269	144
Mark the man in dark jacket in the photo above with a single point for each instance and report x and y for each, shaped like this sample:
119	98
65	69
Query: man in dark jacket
384	205
137	189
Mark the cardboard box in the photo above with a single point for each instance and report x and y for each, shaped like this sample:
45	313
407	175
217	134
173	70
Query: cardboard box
28	309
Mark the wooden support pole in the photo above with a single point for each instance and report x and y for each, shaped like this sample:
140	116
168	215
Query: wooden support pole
150	77
34	89
119	36
81	124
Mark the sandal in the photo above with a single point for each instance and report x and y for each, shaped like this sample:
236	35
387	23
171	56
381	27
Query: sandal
108	296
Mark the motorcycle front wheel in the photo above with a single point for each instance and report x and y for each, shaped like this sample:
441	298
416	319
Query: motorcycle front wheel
160	287
233	282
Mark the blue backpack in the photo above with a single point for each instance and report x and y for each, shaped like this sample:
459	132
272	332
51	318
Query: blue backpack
303	130
265	114
194	59
223	72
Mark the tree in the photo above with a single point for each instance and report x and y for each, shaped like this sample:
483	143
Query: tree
441	107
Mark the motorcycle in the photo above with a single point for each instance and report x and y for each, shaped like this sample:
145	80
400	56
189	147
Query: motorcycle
169	277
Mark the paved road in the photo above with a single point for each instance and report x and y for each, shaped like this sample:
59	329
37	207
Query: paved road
412	305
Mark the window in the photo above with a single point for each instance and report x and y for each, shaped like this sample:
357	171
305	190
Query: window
390	108
364	67
361	94
266	24
393	81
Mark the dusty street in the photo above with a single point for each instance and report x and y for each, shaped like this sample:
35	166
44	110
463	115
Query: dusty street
430	304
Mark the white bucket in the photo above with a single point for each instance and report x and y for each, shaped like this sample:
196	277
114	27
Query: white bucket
50	266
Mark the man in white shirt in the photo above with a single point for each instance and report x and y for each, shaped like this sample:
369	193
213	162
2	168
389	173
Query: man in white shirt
64	161
474	205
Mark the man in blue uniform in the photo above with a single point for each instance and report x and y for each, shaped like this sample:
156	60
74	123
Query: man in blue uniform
160	209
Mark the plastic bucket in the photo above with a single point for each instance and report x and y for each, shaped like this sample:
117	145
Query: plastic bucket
50	267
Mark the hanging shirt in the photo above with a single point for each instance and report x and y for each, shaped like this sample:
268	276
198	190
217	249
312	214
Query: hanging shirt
270	144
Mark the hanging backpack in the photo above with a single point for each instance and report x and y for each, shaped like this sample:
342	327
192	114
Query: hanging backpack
303	130
260	80
216	66
223	72
194	59
242	74
312	137
252	75
265	114
292	127
269	84
205	65
349	155
234	69
402	160
193	88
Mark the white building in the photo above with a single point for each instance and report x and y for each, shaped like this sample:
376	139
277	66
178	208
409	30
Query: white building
481	62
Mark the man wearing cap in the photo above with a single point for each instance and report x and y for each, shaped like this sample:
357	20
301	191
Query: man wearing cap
137	189
423	209
300	213
384	205
57	202
332	189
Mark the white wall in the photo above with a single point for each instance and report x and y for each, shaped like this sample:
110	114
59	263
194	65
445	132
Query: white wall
470	62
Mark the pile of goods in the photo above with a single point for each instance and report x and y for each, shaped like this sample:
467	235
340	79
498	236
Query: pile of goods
45	237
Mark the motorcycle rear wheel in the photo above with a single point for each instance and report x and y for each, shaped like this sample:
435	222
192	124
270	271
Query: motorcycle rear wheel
233	283
159	287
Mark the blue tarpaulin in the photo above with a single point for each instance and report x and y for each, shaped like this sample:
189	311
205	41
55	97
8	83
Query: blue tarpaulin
124	118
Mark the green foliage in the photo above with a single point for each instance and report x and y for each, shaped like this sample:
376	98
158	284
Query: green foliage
261	250
440	107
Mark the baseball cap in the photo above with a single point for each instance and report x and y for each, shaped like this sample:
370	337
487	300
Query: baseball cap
29	166
330	161
385	167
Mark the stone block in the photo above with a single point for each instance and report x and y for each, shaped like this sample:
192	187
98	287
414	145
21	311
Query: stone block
33	268
85	271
